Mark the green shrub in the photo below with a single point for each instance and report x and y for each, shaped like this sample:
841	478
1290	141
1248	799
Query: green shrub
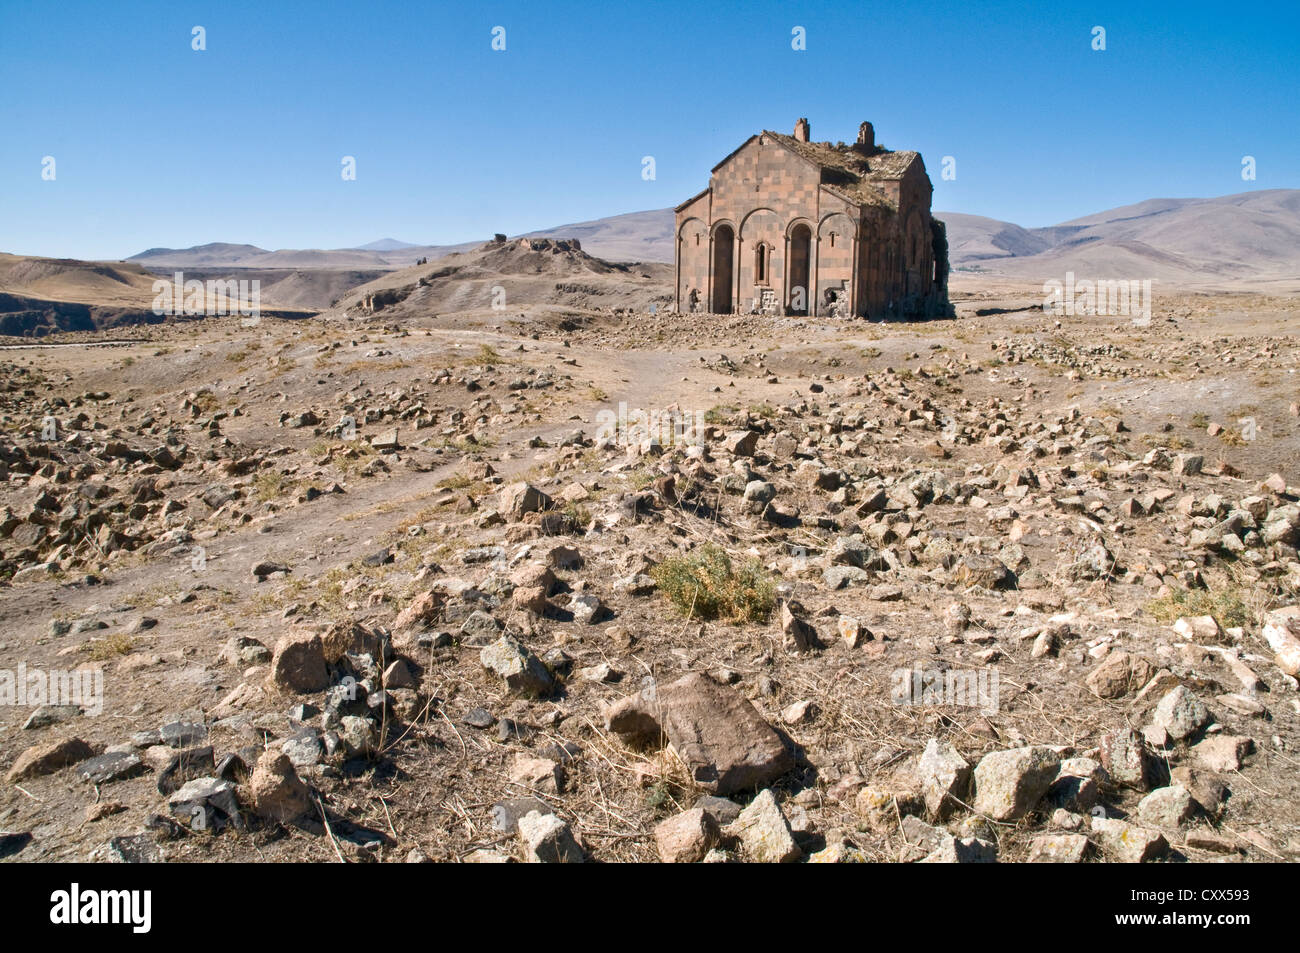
704	584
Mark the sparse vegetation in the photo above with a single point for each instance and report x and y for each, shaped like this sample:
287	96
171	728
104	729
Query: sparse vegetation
1228	608
487	354
580	515
272	485
110	647
706	584
1232	438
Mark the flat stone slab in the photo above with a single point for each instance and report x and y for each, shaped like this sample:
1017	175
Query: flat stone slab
114	766
724	741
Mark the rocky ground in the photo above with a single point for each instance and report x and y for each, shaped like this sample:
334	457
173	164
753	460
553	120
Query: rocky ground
999	588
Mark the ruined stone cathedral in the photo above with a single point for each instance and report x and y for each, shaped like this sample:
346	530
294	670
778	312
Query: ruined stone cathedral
791	226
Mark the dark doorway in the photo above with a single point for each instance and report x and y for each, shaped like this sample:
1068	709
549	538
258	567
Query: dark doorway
723	256
800	253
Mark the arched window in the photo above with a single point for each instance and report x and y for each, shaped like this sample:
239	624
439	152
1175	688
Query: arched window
760	263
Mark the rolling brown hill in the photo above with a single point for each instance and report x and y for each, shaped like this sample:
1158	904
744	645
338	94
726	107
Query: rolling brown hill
528	271
1250	240
43	295
1246	241
111	284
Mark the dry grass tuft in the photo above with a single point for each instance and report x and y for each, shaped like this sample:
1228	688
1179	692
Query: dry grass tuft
1228	608
705	584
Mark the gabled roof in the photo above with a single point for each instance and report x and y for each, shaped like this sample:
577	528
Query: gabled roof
727	158
853	174
848	171
693	198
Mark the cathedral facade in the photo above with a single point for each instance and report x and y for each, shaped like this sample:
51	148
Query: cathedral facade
791	226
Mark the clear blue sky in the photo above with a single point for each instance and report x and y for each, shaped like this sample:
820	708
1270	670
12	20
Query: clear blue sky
159	145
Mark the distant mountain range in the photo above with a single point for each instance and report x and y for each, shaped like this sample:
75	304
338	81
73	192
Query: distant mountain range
1251	236
223	255
635	236
1249	241
385	244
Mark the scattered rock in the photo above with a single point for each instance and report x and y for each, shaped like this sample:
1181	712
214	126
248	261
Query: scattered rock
506	814
1127	761
1209	840
47	715
961	850
724	742
764	832
180	767
539	774
523	672
1166	807
276	793
548	840
134	849
102	809
1009	784
1222	752
110	766
1282	632
1181	714
800	636
1119	674
1058	849
1128	843
47	758
688	837
298	664
206	804
945	777
520	499
799	713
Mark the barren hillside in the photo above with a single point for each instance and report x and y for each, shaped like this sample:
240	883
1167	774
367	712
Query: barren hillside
1250	240
506	276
